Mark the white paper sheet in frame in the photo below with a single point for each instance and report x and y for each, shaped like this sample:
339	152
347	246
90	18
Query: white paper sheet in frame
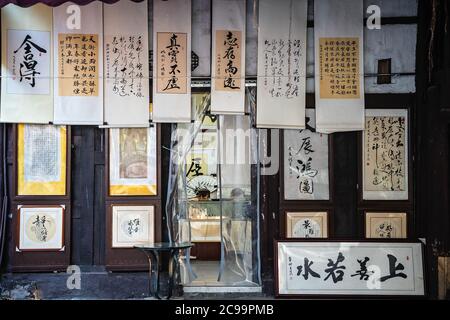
385	155
339	25
172	17
306	172
127	96
132	181
41	228
228	88
281	77
78	88
306	224
132	225
27	64
376	268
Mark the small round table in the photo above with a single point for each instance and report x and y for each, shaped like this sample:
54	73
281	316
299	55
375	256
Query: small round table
152	251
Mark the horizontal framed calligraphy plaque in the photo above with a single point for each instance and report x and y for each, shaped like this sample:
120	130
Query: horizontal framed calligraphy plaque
349	268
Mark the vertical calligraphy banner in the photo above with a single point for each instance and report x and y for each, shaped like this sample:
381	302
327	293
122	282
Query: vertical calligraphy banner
228	57
281	64
78	36
171	61
27	64
339	68
126	69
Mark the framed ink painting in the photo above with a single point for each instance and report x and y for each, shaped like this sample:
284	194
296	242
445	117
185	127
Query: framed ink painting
41	228
385	155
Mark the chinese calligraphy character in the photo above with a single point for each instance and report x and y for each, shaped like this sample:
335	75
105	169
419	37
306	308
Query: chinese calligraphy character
133	226
335	271
307	270
393	268
363	273
40	228
29	63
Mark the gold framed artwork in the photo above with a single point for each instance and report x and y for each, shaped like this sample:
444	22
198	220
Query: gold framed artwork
386	225
41	228
133	162
306	224
41	160
132	225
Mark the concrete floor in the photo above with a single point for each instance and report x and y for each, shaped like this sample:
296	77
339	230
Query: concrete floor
96	283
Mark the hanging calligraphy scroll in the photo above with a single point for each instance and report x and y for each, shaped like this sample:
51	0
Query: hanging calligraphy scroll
41	160
27	64
132	162
385	155
306	175
126	70
339	68
228	57
281	64
78	51
171	61
349	268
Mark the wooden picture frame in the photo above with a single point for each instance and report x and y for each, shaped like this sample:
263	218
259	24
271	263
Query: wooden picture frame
315	224
412	255
140	223
129	258
43	228
38	260
127	197
30	195
394	224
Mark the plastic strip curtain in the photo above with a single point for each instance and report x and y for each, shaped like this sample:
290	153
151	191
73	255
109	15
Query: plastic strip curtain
236	200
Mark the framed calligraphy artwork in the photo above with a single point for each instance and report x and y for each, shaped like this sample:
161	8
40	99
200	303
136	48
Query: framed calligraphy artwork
306	163
386	225
132	162
349	268
306	224
27	64
132	225
41	160
385	155
41	228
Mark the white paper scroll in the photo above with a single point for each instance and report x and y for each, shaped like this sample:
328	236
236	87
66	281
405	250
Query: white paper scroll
281	64
171	61
306	175
78	37
27	64
126	69
339	78
228	57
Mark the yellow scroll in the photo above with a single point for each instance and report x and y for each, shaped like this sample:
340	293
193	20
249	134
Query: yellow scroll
41	160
